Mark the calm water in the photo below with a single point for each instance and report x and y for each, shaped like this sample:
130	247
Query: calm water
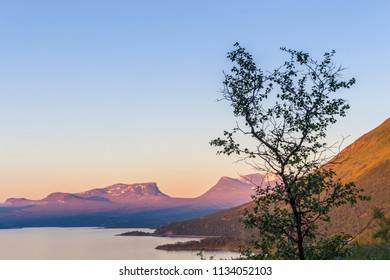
89	244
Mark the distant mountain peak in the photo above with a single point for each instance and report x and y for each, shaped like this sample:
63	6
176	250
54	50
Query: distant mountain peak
259	179
127	192
139	189
17	201
225	179
60	197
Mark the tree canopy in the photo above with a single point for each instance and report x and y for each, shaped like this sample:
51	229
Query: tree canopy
286	113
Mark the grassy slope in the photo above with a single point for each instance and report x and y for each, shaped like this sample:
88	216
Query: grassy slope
368	152
367	163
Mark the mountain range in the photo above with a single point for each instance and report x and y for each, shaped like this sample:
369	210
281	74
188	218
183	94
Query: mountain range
125	205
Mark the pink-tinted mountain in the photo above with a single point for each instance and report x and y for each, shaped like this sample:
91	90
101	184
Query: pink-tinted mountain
125	205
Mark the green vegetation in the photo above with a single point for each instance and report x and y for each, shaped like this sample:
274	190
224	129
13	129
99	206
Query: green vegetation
372	251
286	114
135	233
208	244
383	230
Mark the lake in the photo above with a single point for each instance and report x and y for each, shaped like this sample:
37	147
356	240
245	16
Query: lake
90	244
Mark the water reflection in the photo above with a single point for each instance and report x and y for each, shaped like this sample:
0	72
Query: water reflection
90	244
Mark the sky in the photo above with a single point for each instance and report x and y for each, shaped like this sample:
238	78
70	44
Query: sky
94	93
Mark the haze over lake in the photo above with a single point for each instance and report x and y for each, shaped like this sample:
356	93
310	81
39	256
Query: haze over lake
89	244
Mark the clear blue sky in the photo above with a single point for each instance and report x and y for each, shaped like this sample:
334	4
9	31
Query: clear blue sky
99	92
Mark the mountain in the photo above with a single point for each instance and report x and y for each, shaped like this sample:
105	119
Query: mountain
228	191
370	151
125	205
365	162
122	193
128	193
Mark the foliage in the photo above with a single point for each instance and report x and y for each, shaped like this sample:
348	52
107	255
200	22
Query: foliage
383	233
209	243
286	114
372	251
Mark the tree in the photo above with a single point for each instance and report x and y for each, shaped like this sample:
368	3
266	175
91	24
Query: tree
286	114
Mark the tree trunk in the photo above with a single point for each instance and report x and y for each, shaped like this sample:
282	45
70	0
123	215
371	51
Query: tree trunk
300	243
301	253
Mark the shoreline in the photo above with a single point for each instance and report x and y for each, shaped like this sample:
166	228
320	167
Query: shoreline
230	244
205	243
141	233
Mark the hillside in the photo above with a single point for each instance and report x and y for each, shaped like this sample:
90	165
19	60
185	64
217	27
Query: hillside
223	223
365	154
366	162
